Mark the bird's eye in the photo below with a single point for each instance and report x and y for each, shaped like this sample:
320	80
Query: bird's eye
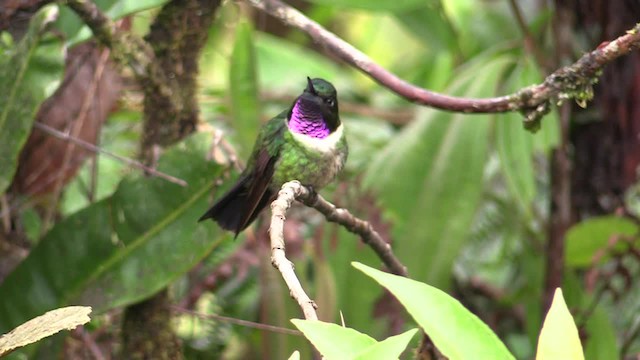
329	102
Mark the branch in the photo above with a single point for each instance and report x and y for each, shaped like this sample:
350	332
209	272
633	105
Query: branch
293	190
126	49
533	100
354	225
288	193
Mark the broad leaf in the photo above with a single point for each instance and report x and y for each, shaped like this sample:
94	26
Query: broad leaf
332	340
243	81
29	72
389	348
516	146
430	177
455	331
591	238
123	248
559	338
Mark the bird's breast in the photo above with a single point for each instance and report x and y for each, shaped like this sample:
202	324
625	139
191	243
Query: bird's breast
313	162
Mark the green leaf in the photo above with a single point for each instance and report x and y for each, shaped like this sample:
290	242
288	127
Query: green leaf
589	238
376	5
429	178
455	331
123	248
559	338
334	341
515	145
439	35
602	343
29	72
389	348
243	82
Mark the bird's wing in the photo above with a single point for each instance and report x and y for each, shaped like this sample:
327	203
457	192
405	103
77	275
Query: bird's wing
265	156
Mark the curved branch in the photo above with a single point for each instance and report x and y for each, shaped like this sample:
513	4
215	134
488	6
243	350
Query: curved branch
561	84
357	226
293	190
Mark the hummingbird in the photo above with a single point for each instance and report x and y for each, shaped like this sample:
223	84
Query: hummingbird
306	142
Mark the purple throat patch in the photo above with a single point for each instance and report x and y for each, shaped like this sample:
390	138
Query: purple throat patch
308	121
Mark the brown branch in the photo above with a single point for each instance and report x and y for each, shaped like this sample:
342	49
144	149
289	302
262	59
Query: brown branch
534	100
354	225
126	49
293	190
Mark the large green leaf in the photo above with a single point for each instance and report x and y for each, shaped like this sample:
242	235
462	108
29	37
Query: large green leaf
455	331
342	343
589	238
29	72
430	177
123	248
334	341
515	145
243	82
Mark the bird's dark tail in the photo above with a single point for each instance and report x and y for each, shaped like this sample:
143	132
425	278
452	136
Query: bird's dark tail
235	210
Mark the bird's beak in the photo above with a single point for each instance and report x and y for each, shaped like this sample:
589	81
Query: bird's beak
310	87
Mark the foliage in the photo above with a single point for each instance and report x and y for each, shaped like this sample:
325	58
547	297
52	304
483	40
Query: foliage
455	331
463	199
30	70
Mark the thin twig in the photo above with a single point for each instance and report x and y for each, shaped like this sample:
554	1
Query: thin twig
88	146
561	82
245	323
90	343
529	41
279	207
